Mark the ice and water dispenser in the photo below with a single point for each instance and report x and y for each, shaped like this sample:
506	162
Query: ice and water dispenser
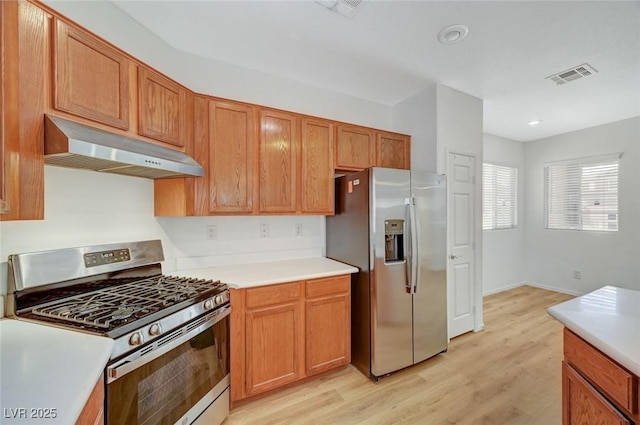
393	241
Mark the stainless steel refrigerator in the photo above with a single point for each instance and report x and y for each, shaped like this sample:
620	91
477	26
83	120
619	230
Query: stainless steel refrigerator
391	224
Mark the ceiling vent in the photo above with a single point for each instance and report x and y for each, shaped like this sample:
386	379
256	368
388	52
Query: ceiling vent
573	74
346	8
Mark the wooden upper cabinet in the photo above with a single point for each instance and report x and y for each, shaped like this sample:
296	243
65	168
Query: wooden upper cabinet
25	79
91	79
354	148
316	171
231	157
4	202
279	141
162	108
393	150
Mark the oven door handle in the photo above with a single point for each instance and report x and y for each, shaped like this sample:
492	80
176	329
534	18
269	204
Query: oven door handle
161	346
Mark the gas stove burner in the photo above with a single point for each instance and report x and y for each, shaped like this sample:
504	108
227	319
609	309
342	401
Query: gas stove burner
172	298
122	313
120	305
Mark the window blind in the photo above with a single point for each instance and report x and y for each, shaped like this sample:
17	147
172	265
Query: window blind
499	197
582	194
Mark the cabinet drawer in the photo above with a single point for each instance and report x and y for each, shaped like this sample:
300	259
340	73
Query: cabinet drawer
328	286
272	294
582	404
618	384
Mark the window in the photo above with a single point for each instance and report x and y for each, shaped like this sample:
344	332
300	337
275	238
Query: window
499	197
582	194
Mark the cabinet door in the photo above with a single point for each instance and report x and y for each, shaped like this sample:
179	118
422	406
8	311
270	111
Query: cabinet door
328	333
316	179
4	202
91	79
25	30
273	337
582	404
278	162
93	410
354	148
393	151
231	157
162	108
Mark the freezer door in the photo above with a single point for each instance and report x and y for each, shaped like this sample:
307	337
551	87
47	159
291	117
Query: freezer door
391	315
430	297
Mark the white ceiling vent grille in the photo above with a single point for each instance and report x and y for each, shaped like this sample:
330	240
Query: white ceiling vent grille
572	74
346	8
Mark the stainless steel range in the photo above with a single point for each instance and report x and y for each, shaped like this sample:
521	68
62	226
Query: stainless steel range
170	360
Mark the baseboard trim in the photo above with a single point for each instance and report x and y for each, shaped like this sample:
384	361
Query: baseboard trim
554	289
535	285
502	288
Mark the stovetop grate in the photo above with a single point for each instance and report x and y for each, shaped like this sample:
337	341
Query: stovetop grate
113	306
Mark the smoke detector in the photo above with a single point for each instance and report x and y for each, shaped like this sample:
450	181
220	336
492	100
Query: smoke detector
452	34
572	74
346	8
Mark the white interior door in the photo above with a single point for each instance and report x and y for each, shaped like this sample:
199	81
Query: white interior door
461	264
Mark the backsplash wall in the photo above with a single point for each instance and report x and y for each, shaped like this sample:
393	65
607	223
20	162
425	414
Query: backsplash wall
88	208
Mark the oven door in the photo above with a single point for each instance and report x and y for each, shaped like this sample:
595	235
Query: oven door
174	379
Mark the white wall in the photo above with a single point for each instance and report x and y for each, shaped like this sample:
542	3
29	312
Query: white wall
459	130
603	258
417	116
459	126
503	262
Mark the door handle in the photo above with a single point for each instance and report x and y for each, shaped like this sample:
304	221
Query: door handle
453	256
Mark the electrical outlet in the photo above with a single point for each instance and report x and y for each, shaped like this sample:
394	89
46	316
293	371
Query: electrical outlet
298	231
577	274
212	232
264	230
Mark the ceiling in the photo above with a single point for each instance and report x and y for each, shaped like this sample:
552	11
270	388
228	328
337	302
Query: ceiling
389	51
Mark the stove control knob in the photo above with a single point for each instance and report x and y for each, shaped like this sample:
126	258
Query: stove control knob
135	339
218	299
155	329
208	304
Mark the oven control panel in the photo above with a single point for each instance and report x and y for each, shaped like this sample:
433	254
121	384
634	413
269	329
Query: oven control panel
93	259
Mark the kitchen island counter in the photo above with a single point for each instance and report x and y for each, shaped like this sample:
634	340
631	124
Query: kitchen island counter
47	373
268	273
609	319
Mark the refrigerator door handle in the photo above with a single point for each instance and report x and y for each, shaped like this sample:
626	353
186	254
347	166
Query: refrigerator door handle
414	245
408	245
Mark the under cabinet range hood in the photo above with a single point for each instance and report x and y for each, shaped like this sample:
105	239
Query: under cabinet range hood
69	144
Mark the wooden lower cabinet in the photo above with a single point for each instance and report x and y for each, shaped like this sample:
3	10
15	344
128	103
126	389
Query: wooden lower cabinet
583	404
596	389
284	333
327	310
273	347
93	411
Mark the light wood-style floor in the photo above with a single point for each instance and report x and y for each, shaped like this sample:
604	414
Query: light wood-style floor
509	374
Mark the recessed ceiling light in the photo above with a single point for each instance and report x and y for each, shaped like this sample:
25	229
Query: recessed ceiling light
453	34
535	122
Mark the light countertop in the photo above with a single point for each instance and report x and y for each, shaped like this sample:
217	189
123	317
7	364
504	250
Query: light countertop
43	367
609	319
268	273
